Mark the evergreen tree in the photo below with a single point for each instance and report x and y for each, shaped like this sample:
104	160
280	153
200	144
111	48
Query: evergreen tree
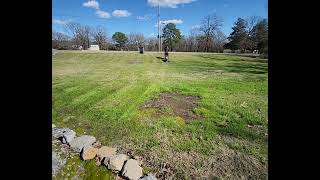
260	35
120	38
171	35
238	38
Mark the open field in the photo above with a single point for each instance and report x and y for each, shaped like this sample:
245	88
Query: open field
201	116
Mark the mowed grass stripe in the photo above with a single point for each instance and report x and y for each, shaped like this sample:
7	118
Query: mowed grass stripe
103	94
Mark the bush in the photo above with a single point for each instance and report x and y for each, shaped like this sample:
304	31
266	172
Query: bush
227	51
112	48
264	53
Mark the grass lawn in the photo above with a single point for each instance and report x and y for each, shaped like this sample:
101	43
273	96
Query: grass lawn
104	95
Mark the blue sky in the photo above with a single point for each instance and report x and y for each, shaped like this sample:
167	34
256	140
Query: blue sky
140	15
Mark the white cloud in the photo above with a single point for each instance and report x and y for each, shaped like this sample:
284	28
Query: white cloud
102	14
60	22
195	27
174	21
94	4
168	3
121	13
91	4
144	18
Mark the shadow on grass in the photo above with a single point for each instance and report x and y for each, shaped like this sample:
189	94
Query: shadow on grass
163	59
246	68
239	131
211	64
231	58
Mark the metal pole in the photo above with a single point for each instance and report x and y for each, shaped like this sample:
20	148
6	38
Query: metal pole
159	28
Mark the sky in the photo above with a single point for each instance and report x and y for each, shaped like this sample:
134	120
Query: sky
141	15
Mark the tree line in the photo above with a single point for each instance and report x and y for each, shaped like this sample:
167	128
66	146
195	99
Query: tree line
248	35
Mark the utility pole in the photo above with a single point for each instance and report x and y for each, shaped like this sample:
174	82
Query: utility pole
159	39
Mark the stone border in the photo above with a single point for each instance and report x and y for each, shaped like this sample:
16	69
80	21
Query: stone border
89	148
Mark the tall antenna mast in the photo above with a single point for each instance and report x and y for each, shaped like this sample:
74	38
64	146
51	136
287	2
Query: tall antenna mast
159	40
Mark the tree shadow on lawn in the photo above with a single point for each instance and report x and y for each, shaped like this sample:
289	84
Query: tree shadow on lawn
246	68
236	67
232	58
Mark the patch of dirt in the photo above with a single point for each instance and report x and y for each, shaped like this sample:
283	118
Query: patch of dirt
135	61
175	104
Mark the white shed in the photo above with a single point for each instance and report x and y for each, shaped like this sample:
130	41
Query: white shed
94	47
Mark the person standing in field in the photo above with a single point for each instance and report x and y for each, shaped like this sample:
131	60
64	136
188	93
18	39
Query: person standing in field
166	53
141	49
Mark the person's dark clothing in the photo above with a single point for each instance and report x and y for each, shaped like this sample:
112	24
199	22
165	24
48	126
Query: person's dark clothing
141	50
166	51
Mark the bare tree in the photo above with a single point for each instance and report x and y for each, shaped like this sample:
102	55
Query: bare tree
182	45
80	34
192	42
151	44
209	26
251	22
87	30
135	40
60	41
99	35
219	41
204	43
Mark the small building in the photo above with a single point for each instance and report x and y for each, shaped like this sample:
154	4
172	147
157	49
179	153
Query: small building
94	47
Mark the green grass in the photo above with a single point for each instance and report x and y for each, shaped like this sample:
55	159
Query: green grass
86	170
102	94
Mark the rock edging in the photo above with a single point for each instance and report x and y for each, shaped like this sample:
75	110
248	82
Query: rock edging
88	149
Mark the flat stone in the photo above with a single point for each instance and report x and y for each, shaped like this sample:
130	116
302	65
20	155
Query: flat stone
149	177
68	136
97	144
105	151
79	143
132	170
58	132
139	159
57	162
89	153
115	162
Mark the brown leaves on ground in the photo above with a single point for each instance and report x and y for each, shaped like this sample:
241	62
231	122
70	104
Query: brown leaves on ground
222	162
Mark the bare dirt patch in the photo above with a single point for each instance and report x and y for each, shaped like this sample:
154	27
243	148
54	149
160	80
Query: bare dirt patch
175	104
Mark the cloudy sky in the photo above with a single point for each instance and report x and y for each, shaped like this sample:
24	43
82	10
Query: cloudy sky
140	15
